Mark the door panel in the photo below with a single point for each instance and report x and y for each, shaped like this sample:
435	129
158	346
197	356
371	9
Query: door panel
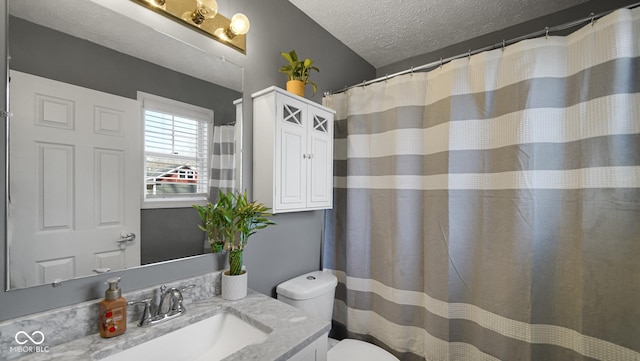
75	181
109	182
290	155
54	184
292	191
320	172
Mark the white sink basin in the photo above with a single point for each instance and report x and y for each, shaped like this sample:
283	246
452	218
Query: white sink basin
211	339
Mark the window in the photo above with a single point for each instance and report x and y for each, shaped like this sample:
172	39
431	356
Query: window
176	152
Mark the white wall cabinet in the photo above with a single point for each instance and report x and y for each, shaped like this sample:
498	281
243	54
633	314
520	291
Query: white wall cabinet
292	152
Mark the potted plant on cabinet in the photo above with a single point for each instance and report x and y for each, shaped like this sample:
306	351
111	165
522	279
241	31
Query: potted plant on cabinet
237	219
298	72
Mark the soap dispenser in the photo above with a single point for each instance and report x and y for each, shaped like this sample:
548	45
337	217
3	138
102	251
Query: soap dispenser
113	310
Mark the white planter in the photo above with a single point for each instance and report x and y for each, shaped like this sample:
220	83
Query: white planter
234	287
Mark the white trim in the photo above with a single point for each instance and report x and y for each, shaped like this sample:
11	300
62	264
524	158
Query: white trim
182	202
157	103
176	107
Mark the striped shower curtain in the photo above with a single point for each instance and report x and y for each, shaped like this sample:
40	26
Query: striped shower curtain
223	169
490	208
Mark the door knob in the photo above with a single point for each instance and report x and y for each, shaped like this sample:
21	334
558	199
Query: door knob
129	237
124	238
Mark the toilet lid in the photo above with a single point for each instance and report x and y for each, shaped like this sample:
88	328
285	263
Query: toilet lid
354	350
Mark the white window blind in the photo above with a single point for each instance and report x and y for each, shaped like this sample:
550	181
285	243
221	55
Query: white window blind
176	149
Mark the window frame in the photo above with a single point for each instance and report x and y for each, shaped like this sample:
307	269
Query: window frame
176	108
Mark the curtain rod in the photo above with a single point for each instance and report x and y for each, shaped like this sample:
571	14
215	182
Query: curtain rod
591	18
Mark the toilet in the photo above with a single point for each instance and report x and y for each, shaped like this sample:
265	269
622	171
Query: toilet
313	293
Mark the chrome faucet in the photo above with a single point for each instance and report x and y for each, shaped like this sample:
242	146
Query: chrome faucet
170	306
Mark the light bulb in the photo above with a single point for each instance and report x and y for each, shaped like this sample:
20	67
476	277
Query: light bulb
205	9
239	24
208	8
221	34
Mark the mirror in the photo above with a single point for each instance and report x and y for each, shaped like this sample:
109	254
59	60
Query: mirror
103	51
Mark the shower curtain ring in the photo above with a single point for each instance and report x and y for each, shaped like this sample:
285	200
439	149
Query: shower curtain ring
412	70
440	63
546	32
386	77
469	55
504	44
593	18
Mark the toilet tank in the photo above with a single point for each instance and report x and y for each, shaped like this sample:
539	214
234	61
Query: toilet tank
312	292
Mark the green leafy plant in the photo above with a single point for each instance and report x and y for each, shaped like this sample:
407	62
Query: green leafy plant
235	219
298	69
213	225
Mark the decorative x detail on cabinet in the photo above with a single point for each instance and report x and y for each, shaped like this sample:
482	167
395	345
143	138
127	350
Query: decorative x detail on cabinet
292	115
320	124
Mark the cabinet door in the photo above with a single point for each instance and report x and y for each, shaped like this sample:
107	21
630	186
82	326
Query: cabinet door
291	154
320	159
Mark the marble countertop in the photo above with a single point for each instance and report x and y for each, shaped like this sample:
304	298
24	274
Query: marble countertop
289	331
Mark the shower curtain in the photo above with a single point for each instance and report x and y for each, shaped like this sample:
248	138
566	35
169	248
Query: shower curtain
222	160
490	208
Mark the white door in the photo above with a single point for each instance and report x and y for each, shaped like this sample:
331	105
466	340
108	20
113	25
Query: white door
75	181
291	155
320	168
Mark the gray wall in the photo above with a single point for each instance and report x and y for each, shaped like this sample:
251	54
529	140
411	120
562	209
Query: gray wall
275	254
292	247
170	233
51	54
164	234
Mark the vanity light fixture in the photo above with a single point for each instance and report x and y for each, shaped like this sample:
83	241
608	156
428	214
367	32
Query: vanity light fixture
203	16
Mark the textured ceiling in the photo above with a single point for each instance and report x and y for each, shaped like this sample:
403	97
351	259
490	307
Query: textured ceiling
384	31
